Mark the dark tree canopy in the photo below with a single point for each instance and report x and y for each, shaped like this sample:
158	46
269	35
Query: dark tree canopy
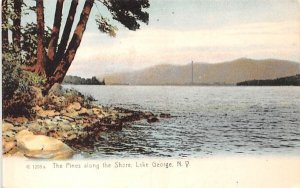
128	12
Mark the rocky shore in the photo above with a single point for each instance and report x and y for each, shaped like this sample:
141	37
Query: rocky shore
65	122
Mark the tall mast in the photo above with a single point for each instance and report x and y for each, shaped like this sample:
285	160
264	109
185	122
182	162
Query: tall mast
192	72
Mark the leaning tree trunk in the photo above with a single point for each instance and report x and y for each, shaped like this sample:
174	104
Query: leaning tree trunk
16	31
39	67
54	38
4	29
64	64
66	33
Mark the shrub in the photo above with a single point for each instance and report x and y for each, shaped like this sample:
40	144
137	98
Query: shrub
18	97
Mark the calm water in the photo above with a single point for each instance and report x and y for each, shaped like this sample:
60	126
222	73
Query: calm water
208	121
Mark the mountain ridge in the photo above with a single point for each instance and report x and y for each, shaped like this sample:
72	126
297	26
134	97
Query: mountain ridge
221	73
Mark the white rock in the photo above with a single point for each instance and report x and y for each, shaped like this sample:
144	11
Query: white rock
40	146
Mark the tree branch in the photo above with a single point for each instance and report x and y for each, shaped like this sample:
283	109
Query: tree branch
66	33
63	66
54	37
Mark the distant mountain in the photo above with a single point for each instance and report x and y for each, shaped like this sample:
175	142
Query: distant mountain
284	81
225	73
76	80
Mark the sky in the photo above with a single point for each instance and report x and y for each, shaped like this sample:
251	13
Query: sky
181	31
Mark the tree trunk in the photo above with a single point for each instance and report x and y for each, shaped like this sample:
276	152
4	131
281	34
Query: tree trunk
66	34
39	67
16	31
64	64
4	28
54	38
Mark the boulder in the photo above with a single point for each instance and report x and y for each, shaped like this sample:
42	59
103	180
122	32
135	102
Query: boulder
148	114
85	112
56	89
46	113
67	118
20	128
7	146
39	98
21	120
42	147
72	115
34	127
75	106
96	110
152	119
65	127
164	115
7	126
9	134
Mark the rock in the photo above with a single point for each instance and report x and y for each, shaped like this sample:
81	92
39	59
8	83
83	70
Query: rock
84	112
68	118
39	98
43	131
55	102
21	120
73	115
37	108
56	89
74	106
34	127
164	115
42	147
9	134
7	126
65	127
148	114
49	123
152	119
47	113
17	129
7	146
63	111
71	137
97	110
23	133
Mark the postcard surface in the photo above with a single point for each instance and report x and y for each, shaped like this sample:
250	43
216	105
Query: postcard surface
149	93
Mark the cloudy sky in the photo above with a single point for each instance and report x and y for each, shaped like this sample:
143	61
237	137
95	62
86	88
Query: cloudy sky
180	31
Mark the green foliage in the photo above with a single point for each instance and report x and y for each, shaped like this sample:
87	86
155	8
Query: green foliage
17	95
10	81
128	12
29	43
20	104
33	79
10	13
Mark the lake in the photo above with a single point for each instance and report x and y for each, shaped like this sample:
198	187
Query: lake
206	120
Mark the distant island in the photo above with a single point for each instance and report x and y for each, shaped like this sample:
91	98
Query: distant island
76	80
284	81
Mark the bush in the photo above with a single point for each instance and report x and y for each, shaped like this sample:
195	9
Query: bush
20	104
18	98
18	95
